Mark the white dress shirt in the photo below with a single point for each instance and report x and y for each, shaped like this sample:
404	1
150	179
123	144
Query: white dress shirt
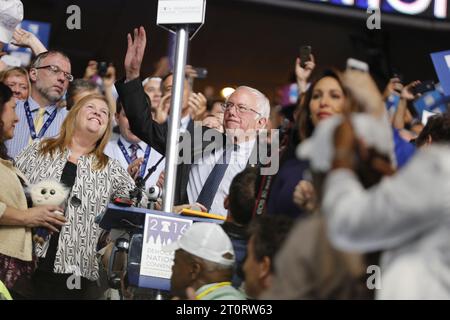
184	122
200	172
407	216
113	151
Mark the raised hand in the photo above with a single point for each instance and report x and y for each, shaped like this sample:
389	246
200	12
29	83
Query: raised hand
162	110
110	77
407	90
365	92
214	121
190	72
23	38
197	103
303	74
134	168
91	70
135	53
394	86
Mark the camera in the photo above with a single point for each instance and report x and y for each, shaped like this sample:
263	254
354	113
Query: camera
154	192
103	69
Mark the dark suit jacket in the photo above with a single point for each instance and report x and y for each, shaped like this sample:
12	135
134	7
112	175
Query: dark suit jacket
139	115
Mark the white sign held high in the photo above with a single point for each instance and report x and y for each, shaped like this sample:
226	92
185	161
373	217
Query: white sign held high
172	12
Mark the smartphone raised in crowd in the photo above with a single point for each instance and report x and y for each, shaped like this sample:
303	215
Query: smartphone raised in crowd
304	55
423	87
201	73
354	64
102	69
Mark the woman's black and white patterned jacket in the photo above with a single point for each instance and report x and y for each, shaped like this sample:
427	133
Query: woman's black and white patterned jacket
94	188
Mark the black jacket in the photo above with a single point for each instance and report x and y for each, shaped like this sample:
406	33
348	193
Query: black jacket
139	115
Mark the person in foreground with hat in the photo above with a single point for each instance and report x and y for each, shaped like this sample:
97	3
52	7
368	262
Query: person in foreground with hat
11	15
204	260
406	216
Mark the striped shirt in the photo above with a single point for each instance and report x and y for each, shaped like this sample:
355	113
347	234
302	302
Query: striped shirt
22	134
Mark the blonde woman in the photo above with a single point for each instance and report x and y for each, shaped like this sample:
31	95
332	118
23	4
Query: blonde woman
76	158
17	80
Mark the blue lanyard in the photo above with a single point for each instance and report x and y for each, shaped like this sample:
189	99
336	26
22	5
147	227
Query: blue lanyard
127	156
31	123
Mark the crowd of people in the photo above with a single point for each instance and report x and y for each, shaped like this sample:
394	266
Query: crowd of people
359	184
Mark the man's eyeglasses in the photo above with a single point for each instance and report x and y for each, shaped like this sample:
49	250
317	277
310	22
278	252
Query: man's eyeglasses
241	109
56	70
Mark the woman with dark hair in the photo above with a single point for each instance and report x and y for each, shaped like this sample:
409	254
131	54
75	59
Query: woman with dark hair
16	220
326	97
291	191
437	130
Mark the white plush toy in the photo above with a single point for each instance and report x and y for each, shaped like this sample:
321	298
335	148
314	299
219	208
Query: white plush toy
47	192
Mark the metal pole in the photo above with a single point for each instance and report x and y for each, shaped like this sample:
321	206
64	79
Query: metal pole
182	39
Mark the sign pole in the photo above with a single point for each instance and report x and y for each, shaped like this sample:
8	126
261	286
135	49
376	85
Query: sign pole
184	18
182	38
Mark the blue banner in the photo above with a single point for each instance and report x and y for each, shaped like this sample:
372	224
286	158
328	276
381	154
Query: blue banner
441	61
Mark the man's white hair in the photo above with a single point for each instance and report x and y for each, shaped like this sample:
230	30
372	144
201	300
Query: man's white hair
151	78
262	101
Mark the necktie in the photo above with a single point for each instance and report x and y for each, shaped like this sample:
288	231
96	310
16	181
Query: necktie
134	148
213	181
38	122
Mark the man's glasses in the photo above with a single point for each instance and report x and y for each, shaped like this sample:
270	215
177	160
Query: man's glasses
56	70
241	109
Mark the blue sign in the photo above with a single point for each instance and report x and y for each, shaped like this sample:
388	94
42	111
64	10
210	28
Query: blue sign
433	101
159	228
441	61
392	102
